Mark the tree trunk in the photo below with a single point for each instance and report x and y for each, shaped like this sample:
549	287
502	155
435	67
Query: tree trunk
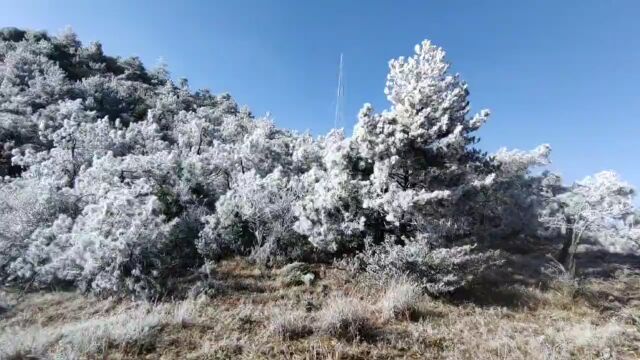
567	255
402	230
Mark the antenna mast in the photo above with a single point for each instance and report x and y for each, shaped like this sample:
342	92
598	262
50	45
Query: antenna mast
338	120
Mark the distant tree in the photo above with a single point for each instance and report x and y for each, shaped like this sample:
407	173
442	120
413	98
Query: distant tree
596	206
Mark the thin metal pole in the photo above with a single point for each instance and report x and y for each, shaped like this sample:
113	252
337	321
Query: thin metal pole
339	97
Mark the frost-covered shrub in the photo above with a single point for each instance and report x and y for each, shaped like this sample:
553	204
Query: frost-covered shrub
254	216
438	269
330	213
45	245
25	206
119	244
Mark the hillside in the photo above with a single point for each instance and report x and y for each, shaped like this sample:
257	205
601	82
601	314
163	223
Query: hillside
141	218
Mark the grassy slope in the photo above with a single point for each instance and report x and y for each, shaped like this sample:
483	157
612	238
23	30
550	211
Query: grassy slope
520	320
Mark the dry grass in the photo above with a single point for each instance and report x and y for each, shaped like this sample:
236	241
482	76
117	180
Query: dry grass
345	318
133	327
290	324
339	317
400	299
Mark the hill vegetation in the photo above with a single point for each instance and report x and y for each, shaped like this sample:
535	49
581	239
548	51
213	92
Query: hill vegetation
128	187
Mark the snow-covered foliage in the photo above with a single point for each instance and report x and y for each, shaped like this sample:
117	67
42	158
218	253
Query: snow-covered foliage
117	180
438	269
507	210
120	243
25	204
601	202
330	213
420	166
256	215
599	206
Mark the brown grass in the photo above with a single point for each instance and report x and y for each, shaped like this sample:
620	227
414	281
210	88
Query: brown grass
256	318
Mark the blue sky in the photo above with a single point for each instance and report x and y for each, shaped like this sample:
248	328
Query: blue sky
558	72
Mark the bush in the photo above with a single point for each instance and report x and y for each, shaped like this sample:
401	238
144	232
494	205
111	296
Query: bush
117	245
254	217
294	274
438	270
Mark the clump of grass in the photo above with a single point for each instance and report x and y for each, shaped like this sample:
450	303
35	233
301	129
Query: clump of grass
345	318
185	313
290	325
400	299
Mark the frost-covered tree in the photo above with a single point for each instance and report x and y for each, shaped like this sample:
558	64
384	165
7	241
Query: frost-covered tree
406	170
597	206
418	152
409	173
505	213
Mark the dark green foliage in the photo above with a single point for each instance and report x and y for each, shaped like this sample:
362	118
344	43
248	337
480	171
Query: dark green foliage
12	34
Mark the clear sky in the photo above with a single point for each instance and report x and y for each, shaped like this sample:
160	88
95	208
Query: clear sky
559	72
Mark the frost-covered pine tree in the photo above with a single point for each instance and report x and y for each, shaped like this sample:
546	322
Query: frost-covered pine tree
406	175
422	165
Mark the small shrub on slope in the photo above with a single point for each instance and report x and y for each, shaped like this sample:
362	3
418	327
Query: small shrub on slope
438	270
